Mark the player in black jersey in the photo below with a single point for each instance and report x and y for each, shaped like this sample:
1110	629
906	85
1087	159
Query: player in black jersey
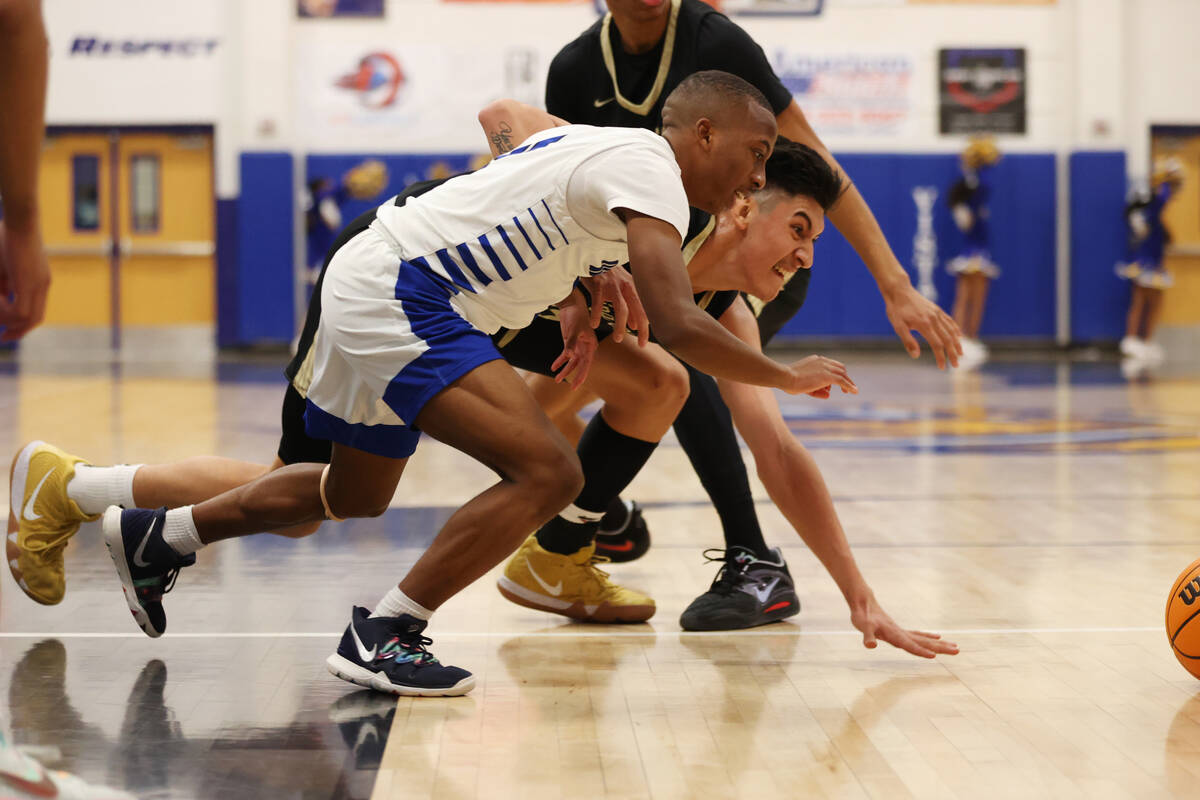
753	247
618	72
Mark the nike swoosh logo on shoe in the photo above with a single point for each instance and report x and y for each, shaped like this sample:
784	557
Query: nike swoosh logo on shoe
137	554
623	547
555	590
29	513
602	103
366	655
764	592
42	787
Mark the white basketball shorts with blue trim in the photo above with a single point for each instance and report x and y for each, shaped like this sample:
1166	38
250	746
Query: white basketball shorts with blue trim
388	342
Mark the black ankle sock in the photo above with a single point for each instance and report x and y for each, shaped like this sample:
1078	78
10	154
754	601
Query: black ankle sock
563	537
705	432
616	516
610	461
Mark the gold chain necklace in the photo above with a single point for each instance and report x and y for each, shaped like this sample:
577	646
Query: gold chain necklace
664	63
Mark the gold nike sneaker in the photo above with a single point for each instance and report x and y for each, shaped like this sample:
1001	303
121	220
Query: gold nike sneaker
41	519
570	585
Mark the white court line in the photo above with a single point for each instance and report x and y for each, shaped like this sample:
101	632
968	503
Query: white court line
571	634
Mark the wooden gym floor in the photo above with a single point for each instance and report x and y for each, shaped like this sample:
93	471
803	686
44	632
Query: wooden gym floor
1036	512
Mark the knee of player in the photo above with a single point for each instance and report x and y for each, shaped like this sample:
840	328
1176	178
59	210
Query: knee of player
559	478
356	506
673	385
658	384
299	531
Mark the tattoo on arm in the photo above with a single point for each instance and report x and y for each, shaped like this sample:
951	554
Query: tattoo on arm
501	138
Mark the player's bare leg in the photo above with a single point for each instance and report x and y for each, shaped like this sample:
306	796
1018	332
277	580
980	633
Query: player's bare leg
539	476
201	478
561	404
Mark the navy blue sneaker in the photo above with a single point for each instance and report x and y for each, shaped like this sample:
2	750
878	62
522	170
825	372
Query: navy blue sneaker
625	539
389	654
748	591
146	564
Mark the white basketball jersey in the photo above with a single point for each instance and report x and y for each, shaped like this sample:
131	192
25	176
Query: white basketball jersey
512	238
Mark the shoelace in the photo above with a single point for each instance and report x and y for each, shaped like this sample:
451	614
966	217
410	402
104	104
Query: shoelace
166	584
420	645
730	573
595	573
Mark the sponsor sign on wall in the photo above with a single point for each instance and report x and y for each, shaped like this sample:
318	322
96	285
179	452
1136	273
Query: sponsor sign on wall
771	8
850	94
144	62
982	90
385	97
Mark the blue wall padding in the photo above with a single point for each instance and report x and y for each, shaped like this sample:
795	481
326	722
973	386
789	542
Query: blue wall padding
227	272
266	272
843	299
1099	299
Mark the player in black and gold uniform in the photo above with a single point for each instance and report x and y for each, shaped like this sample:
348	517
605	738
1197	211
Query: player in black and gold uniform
618	72
754	247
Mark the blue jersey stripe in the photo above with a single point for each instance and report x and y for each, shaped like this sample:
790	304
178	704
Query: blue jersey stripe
528	241
495	259
545	142
465	253
513	250
533	217
525	147
552	219
456	274
423	265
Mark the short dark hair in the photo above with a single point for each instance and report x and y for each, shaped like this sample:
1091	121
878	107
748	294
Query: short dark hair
710	90
799	170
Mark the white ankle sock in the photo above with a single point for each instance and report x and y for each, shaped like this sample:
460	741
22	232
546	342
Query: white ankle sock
96	488
396	602
180	531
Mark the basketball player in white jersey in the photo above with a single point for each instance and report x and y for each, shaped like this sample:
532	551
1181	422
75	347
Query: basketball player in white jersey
402	347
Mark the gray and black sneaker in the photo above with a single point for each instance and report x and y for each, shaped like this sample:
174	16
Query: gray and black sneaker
748	591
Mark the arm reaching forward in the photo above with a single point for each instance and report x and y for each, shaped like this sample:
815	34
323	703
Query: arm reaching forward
907	309
694	336
795	485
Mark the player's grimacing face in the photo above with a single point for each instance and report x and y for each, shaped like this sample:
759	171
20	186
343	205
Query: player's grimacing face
780	239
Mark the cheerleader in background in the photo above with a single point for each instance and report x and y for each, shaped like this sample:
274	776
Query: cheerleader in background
1148	239
322	203
974	268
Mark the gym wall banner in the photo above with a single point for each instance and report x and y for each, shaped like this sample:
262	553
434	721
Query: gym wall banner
982	90
849	94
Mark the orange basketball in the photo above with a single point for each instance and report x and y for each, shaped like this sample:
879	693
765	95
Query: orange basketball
1183	618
